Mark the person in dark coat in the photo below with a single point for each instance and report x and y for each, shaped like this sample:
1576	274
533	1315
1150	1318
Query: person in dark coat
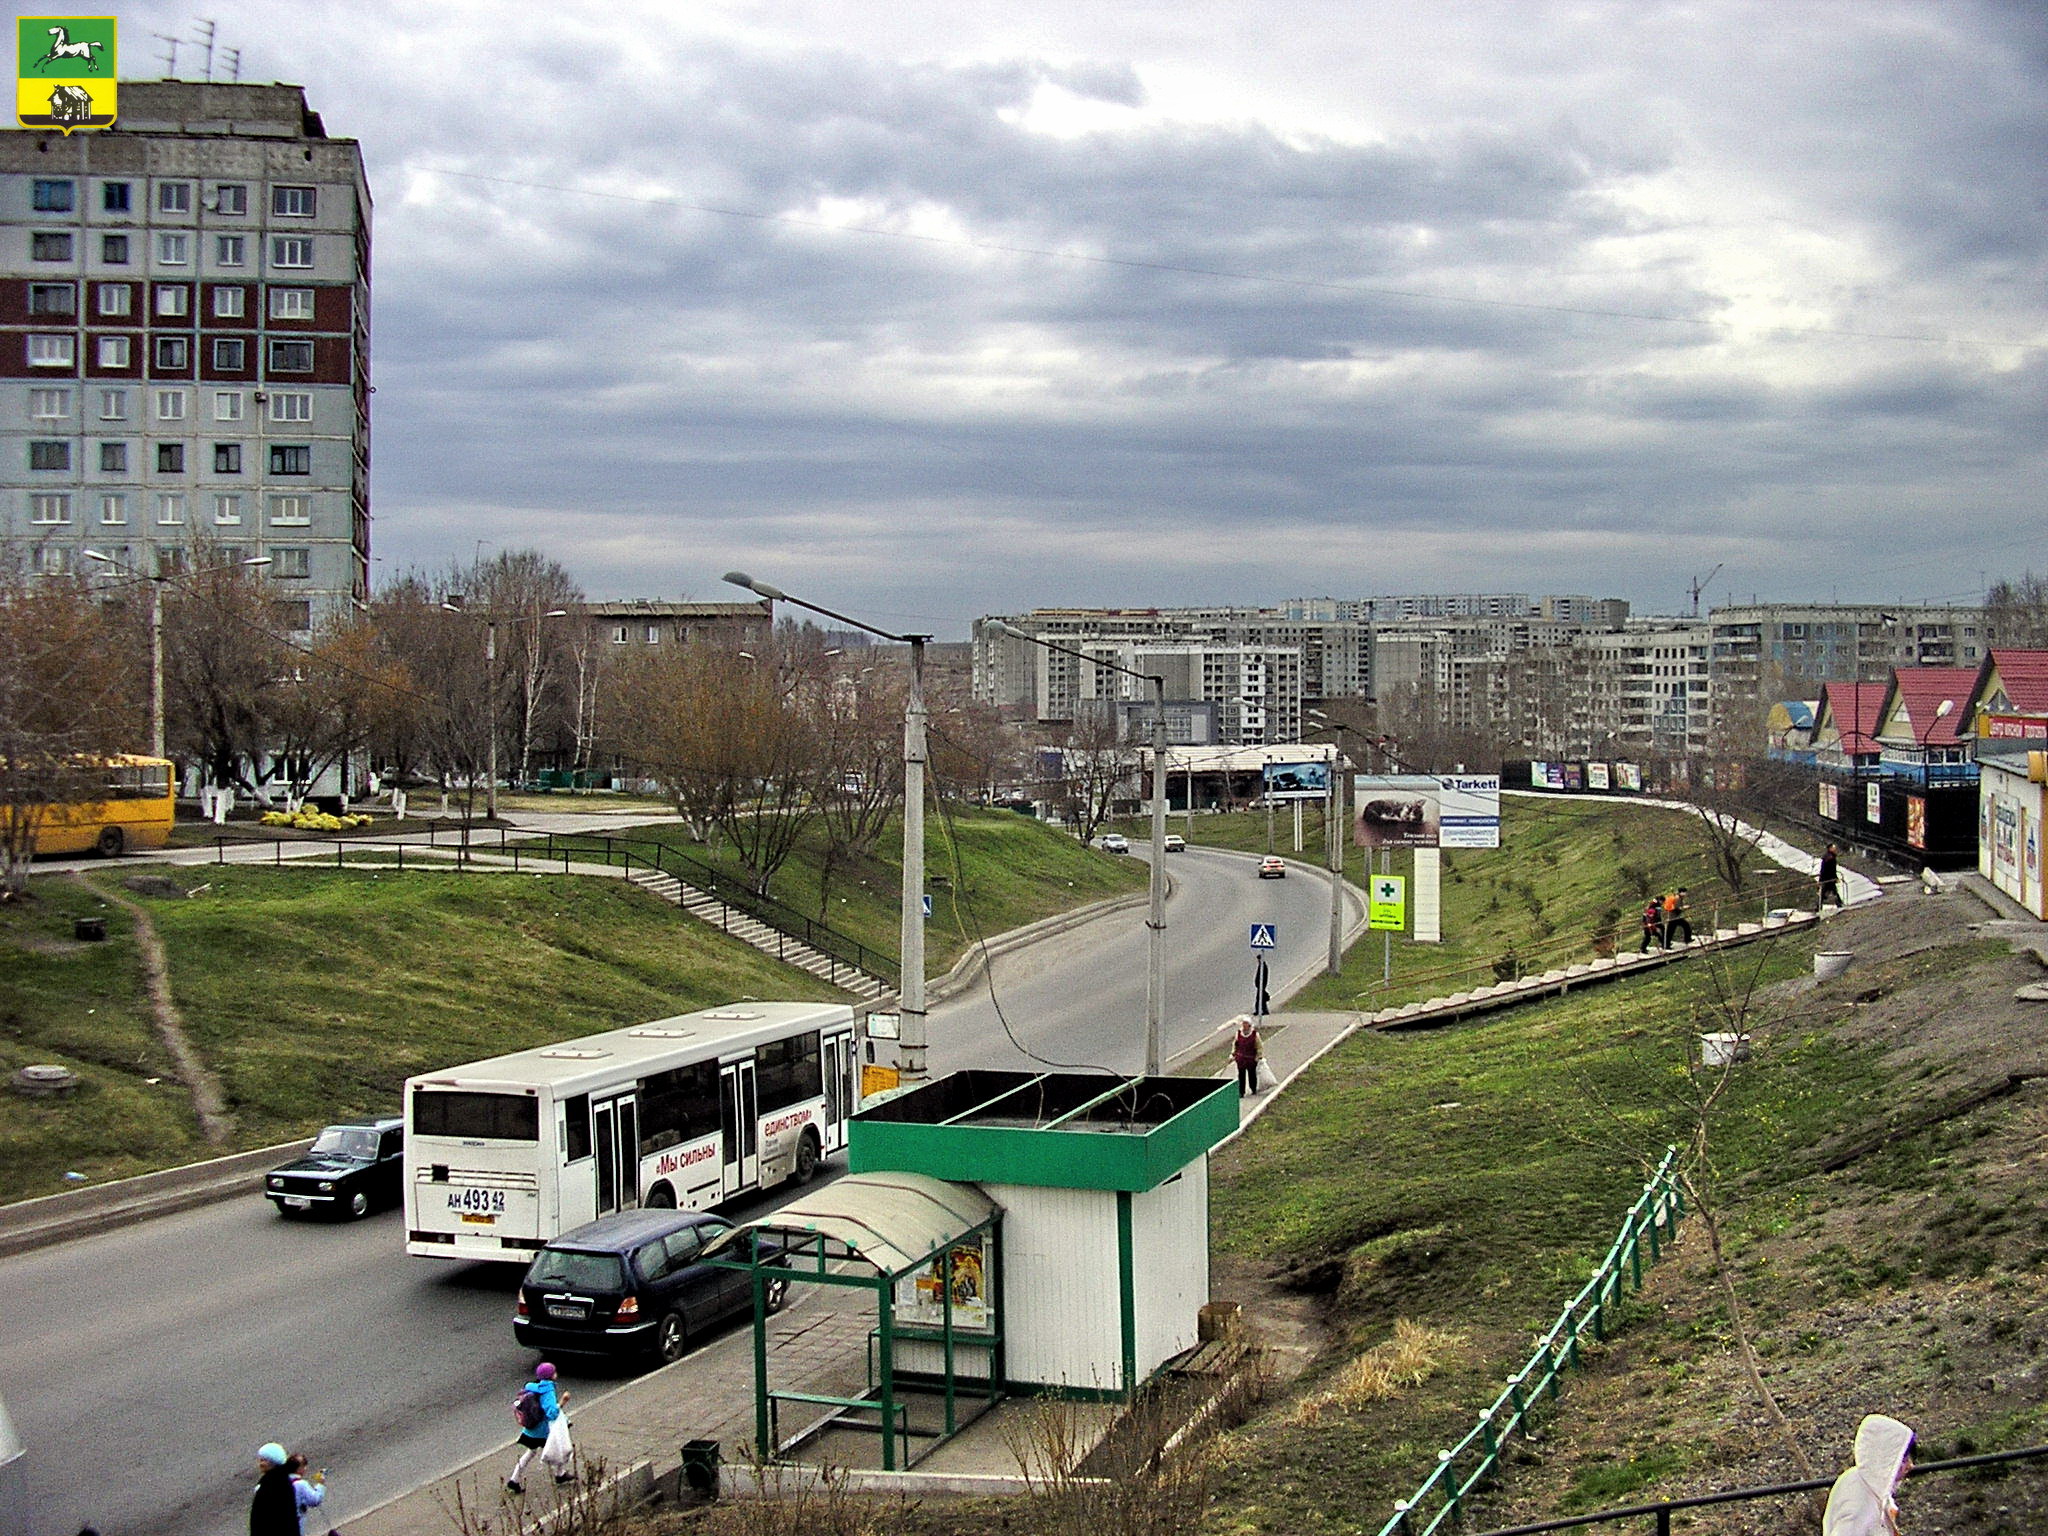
1653	926
275	1509
1830	880
1245	1050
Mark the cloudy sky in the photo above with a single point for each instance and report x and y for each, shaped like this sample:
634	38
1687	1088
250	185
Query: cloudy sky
925	310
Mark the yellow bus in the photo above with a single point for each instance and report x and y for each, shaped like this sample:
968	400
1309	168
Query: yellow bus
136	797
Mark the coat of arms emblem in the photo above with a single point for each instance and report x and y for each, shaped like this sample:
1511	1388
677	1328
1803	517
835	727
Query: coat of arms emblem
64	72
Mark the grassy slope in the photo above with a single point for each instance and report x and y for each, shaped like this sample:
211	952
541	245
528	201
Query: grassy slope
1564	869
1009	870
313	994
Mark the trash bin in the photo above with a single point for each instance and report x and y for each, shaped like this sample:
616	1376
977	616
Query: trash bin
89	930
700	1466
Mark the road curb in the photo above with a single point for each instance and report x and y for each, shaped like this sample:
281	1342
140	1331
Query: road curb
58	1218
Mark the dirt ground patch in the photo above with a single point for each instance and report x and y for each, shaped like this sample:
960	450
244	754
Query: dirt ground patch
1899	1269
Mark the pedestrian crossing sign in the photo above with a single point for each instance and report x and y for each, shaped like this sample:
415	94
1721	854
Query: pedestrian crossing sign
1387	906
1265	935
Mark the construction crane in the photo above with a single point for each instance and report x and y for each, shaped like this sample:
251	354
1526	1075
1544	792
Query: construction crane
1699	585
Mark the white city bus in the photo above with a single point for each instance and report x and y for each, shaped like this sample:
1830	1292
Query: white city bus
502	1155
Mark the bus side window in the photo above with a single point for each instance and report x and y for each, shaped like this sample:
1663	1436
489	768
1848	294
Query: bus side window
576	1127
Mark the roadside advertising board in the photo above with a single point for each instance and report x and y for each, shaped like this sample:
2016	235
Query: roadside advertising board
1873	803
1413	810
1297	781
1916	820
1546	775
1831	801
1628	776
1596	776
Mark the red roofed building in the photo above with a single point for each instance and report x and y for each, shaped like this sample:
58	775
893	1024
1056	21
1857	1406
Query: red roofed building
1845	726
2010	699
1923	727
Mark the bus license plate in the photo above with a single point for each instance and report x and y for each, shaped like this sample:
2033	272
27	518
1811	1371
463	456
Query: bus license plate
482	1221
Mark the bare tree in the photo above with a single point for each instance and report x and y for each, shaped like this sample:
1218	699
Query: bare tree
669	713
333	705
224	663
70	692
536	607
445	734
2016	612
1096	766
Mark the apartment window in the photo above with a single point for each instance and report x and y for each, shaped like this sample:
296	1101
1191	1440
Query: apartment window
114	196
293	202
50	507
174	250
52	351
115	299
232	198
113	351
227	507
285	250
290	459
49	404
170	458
53	298
620	632
174	197
230	303
291	303
291	357
296	617
114	509
170	405
113	405
114	250
170	560
653	634
231	250
49	455
291	509
170	508
173	300
52	197
291	406
228	352
55	560
227	405
291	564
113	458
227	458
173	352
49	247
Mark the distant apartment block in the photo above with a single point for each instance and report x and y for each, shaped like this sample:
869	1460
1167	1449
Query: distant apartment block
185	342
640	622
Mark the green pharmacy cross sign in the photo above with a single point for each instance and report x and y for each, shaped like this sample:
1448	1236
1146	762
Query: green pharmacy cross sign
64	69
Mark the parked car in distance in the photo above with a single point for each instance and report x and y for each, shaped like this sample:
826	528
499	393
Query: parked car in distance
1272	867
348	1169
1115	842
633	1283
1173	842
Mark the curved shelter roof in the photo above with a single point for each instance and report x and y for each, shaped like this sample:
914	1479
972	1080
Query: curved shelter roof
893	1221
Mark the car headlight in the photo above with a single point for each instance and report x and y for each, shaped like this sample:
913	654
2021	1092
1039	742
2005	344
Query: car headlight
277	1183
326	1189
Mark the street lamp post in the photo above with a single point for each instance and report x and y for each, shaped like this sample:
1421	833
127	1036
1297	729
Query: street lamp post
912	1041
156	634
1155	969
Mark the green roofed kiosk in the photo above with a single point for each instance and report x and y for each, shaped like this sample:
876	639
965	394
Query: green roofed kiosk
1023	1233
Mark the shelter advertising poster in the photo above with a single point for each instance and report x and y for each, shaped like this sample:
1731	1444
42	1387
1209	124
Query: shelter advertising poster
921	1297
1873	804
1916	821
1831	801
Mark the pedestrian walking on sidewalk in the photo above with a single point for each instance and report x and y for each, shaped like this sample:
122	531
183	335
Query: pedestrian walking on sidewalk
1860	1503
1675	919
308	1492
537	1407
1245	1050
1830	880
1653	926
274	1511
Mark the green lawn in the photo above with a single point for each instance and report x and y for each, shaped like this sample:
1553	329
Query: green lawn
987	871
315	993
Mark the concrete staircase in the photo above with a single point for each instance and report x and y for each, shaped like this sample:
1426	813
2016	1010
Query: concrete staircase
751	930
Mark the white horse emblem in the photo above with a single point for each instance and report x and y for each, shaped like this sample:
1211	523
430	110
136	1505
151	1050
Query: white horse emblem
64	48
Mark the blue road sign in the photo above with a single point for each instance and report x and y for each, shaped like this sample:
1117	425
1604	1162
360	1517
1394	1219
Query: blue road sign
927	906
1265	935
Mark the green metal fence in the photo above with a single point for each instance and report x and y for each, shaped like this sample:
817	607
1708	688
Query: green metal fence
1439	1503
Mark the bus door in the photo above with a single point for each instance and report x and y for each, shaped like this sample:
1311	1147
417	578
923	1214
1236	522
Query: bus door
741	1122
838	1049
616	1122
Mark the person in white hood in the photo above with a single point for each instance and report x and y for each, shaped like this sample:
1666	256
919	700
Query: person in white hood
1860	1503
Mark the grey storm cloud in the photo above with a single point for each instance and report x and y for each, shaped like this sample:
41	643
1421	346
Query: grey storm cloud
938	314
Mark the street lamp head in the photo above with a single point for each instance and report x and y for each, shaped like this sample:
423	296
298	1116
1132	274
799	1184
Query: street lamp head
257	560
998	628
758	588
556	613
452	603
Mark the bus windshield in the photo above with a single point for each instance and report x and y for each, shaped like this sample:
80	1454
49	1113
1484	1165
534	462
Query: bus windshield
495	1116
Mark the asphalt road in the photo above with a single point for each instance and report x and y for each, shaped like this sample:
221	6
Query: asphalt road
143	1367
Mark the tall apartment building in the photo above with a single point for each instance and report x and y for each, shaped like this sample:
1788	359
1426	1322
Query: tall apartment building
1766	652
1649	690
185	342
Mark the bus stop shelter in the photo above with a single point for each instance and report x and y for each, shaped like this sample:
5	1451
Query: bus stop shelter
930	1253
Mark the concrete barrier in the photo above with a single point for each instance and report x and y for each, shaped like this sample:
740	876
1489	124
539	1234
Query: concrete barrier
74	1213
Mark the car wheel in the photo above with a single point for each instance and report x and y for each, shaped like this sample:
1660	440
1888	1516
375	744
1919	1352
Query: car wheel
774	1293
671	1339
111	842
806	1159
284	1212
358	1205
660	1198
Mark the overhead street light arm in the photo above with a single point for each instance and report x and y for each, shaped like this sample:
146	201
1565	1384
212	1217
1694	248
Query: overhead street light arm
775	594
1011	632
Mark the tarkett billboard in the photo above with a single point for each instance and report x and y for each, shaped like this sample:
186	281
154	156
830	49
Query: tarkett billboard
1413	810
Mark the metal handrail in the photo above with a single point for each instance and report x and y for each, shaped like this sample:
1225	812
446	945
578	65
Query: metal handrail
1661	1510
1465	1466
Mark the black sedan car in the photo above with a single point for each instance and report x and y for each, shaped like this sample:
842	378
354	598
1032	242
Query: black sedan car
634	1283
348	1169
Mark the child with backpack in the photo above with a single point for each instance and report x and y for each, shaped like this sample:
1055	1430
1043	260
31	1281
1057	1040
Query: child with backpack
535	1409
